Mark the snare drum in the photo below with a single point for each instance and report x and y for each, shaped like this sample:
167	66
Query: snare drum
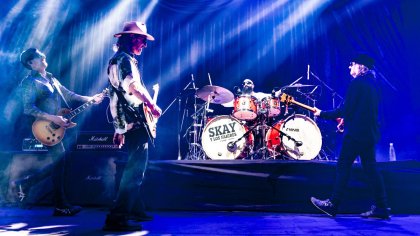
301	128
219	132
245	107
270	106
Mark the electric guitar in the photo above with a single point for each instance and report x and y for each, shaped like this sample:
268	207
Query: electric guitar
49	133
151	120
289	99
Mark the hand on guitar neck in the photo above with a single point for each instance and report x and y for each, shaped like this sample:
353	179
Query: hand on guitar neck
317	112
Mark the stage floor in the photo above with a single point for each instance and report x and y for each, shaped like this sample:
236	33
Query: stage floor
38	221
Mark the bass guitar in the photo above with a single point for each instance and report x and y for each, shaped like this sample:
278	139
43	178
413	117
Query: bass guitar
49	133
289	99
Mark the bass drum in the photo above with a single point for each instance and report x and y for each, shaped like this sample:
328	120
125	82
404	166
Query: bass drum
301	128
221	130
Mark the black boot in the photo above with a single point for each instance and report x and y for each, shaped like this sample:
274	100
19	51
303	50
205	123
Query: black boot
141	217
115	222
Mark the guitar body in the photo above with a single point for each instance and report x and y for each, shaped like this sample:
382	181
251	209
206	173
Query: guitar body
49	133
151	120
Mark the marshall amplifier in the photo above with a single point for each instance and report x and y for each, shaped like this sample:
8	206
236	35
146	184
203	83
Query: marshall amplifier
96	141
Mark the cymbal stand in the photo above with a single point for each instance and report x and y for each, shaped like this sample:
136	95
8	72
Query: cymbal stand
179	122
195	150
262	126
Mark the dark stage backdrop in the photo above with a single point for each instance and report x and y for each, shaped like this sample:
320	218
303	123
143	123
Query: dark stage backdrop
270	42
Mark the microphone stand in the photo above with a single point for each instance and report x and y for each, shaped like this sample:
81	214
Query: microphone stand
333	92
294	82
179	126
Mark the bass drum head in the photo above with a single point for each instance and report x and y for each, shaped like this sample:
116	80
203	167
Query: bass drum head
218	133
303	129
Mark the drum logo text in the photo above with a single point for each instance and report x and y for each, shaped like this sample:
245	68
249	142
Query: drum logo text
222	132
292	129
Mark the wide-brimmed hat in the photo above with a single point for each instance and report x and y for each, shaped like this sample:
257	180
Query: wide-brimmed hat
30	54
135	27
364	59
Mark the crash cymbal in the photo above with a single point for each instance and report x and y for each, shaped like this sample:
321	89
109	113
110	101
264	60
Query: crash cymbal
228	104
215	94
299	86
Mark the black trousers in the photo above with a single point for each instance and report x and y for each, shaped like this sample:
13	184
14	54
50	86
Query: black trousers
128	201
350	150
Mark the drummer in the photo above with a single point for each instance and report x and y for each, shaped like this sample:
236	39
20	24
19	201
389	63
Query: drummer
248	89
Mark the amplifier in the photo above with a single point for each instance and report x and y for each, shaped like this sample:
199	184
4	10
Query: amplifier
31	145
99	141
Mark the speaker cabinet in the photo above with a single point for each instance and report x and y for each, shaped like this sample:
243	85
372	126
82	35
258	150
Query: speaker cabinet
18	165
91	176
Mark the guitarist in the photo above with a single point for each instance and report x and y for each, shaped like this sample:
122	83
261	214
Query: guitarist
42	96
128	96
361	133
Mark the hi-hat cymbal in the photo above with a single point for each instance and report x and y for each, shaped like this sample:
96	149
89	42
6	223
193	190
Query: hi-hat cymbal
299	86
215	94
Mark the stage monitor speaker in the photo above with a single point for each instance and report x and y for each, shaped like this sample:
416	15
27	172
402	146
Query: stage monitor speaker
91	176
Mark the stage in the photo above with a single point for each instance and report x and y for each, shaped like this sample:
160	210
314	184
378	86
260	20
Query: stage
237	197
38	221
208	185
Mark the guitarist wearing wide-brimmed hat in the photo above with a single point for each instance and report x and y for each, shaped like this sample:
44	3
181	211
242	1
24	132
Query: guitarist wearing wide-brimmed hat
43	97
134	114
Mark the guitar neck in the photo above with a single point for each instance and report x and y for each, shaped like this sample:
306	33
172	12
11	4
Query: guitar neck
303	106
79	109
83	107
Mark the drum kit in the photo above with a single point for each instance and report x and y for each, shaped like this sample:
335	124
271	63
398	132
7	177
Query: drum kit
256	129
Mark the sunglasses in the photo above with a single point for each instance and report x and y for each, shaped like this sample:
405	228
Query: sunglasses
137	39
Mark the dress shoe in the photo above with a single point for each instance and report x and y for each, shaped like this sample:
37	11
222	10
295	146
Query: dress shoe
325	206
141	217
120	223
377	212
66	211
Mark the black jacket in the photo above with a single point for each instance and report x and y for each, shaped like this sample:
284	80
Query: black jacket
360	110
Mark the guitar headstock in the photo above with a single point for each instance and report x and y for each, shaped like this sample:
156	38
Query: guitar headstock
286	98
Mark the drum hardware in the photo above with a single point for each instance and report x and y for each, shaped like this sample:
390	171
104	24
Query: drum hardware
210	94
185	92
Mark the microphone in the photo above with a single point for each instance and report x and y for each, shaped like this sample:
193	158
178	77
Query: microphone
307	72
237	90
193	82
231	146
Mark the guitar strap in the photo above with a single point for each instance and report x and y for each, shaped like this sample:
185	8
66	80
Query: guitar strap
55	84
